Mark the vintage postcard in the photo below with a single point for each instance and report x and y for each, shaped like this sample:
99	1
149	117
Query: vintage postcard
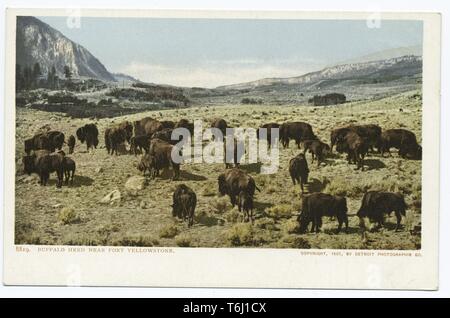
222	149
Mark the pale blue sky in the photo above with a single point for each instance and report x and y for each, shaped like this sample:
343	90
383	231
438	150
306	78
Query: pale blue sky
204	52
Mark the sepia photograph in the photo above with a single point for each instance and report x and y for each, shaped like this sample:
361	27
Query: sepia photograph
245	132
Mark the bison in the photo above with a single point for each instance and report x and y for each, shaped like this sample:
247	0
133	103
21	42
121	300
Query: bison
184	203
43	164
317	148
375	204
298	169
371	132
56	139
113	138
38	142
356	148
404	140
139	143
298	131
220	124
89	134
184	123
71	143
69	167
338	134
232	152
166	135
317	205
238	184
147	126
160	157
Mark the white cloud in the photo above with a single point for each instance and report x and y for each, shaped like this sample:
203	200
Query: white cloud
215	73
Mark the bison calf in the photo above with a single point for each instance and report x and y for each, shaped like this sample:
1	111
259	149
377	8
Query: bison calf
71	144
317	205
184	203
318	150
375	204
69	167
298	169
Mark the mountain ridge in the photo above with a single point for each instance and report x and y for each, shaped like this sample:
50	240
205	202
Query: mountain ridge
38	42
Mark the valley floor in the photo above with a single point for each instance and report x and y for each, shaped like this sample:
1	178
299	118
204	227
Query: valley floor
74	215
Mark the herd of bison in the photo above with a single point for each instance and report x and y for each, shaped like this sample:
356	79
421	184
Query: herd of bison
152	139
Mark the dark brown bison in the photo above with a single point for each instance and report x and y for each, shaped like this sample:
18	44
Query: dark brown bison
114	137
37	142
317	205
160	157
338	134
69	167
89	134
238	185
268	128
404	140
127	127
375	204
147	126
318	149
43	165
356	148
139	143
298	169
184	123
220	124
184	203
298	131
56	139
71	143
371	132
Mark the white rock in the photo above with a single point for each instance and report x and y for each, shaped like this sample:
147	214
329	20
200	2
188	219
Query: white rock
111	197
99	170
135	183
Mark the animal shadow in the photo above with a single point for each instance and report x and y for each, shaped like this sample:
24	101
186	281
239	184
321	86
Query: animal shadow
251	167
374	164
78	181
315	185
207	220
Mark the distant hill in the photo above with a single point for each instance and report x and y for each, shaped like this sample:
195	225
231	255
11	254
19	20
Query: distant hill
120	77
37	42
415	50
375	71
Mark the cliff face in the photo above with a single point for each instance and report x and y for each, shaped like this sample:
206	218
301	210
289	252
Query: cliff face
37	42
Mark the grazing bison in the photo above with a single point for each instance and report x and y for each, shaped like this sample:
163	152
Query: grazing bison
245	204
375	204
113	138
338	134
317	148
139	143
317	205
38	142
43	165
298	169
69	167
268	128
160	157
184	123
147	126
127	127
356	148
298	131
88	133
235	181
220	124
404	140
71	143
371	132
184	203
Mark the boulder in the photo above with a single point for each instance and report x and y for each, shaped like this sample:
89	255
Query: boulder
111	197
135	183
